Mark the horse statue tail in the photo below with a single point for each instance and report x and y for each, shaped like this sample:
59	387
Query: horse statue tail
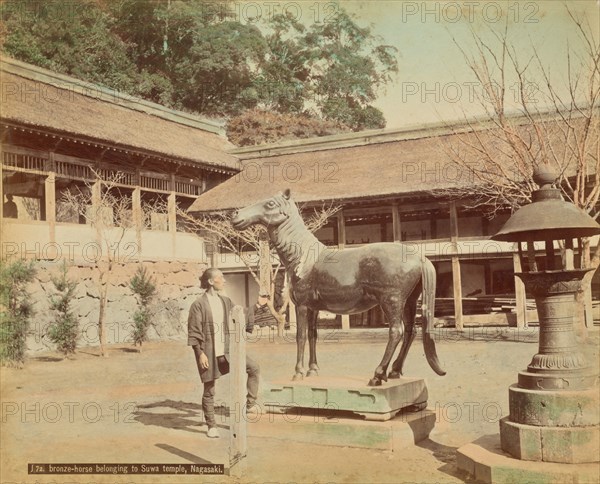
428	310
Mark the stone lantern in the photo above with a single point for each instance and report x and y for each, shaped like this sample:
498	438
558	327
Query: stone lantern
554	408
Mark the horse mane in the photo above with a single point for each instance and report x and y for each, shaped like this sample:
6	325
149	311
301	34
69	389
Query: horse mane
293	241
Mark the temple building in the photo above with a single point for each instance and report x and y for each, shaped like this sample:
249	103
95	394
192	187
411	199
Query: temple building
60	134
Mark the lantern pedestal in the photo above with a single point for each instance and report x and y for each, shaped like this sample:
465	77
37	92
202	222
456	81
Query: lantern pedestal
554	408
554	414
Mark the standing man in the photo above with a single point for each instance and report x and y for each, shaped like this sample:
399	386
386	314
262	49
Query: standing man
208	335
9	209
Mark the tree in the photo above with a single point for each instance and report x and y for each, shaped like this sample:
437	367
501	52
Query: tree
551	126
73	38
110	212
144	287
196	56
255	127
252	247
16	310
332	69
64	330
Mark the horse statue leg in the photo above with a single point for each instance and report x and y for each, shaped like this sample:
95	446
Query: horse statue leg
311	318
393	307
301	334
410	313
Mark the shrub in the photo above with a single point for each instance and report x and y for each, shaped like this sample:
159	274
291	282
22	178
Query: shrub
16	310
144	288
63	331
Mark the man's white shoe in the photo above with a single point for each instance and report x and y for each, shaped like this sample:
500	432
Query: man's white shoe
213	433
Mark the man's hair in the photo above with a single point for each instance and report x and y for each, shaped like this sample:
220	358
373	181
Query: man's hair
208	274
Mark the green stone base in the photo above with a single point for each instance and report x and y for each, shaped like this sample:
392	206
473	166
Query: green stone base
569	445
349	395
485	461
554	408
329	428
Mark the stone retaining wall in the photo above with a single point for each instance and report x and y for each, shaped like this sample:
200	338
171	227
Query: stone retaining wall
177	287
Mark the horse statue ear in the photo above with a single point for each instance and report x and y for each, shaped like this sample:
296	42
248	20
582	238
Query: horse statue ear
287	193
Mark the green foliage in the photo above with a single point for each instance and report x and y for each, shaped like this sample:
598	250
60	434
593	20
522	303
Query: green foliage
185	55
73	38
257	126
64	330
16	310
144	286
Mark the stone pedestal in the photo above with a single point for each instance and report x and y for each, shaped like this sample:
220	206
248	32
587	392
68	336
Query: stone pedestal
329	428
554	415
485	461
347	394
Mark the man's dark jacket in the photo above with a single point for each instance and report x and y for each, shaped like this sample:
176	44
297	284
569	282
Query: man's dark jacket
201	334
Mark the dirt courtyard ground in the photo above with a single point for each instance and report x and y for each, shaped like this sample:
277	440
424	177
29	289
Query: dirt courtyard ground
145	408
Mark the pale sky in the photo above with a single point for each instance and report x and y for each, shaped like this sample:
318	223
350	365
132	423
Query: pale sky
432	83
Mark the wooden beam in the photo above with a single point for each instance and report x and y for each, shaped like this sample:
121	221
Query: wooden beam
341	229
136	209
457	290
172	221
456	278
520	295
50	204
238	446
396	224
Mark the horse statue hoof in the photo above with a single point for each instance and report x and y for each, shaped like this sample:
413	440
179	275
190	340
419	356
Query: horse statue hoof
312	373
394	374
417	407
298	376
374	382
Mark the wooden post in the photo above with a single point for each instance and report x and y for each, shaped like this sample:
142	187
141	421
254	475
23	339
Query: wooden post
396	224
341	230
237	390
136	208
456	279
520	295
569	260
345	321
264	262
531	256
50	202
172	209
292	310
2	229
97	210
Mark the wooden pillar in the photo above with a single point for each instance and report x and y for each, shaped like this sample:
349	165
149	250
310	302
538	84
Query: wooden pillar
50	203
456	279
264	264
569	257
520	296
396	225
237	390
292	310
345	321
2	229
341	230
214	256
136	208
172	223
96	212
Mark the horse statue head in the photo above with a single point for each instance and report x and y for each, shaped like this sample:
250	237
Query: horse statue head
270	212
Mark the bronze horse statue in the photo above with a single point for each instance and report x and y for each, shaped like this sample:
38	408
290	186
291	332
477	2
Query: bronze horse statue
347	281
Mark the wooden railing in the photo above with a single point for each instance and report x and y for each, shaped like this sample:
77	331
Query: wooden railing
24	159
155	181
188	187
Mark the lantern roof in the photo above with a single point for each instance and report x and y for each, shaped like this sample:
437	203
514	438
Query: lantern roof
548	216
